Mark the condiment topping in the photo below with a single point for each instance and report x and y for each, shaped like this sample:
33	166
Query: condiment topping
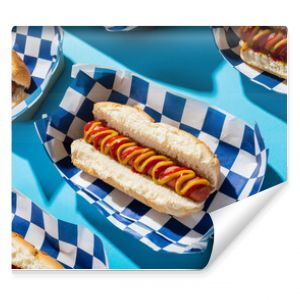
268	40
143	160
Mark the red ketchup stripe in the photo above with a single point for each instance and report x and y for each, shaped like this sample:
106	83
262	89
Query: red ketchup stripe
114	149
150	165
88	125
160	170
129	150
97	139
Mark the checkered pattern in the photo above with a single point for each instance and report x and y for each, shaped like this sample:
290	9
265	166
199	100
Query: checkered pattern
240	148
119	28
227	40
73	246
41	50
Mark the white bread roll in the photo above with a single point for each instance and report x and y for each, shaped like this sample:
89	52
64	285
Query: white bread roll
25	256
263	62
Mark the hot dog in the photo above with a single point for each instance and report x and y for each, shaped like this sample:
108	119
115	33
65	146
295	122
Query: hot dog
146	161
158	164
265	48
20	79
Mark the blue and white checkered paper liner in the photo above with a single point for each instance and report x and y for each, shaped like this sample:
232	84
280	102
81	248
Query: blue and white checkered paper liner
40	47
75	247
119	28
240	149
227	39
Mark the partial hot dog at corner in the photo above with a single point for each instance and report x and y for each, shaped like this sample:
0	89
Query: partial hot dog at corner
265	47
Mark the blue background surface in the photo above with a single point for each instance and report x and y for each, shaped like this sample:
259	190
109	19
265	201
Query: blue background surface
184	59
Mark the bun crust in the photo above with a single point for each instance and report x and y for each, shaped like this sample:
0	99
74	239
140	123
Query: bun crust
138	186
165	139
25	256
18	96
20	74
263	61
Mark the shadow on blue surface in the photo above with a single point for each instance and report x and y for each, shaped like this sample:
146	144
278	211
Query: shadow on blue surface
26	144
272	102
148	51
142	255
58	90
272	178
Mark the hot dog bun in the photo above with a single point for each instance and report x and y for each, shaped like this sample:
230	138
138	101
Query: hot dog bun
25	256
163	138
138	186
263	61
21	76
18	96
